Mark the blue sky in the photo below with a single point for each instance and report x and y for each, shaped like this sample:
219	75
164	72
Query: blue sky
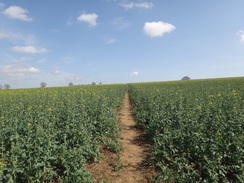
119	41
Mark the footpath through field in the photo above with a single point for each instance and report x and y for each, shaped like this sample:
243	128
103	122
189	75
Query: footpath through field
135	157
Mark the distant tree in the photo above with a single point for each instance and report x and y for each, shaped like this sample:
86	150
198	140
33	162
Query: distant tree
7	86
100	83
186	78
43	84
93	83
71	84
1	87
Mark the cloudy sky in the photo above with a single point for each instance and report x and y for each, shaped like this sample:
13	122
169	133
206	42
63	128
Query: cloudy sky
119	41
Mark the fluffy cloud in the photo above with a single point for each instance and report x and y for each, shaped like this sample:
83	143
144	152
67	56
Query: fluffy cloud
18	70
88	18
134	74
29	49
21	75
131	5
16	12
241	34
155	29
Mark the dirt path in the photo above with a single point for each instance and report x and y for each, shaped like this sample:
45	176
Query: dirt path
136	153
135	156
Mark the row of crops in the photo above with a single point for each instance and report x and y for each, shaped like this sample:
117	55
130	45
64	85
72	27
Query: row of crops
49	134
197	128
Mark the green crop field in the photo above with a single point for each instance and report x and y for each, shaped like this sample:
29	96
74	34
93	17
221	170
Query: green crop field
196	126
48	134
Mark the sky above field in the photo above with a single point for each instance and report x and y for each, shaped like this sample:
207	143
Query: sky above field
119	41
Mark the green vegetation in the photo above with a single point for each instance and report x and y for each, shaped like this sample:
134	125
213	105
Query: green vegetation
118	166
197	128
49	134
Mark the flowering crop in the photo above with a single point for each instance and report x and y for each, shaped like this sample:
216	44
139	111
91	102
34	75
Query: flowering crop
197	128
48	134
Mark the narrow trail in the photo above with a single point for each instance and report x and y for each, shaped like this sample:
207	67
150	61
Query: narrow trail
136	154
135	157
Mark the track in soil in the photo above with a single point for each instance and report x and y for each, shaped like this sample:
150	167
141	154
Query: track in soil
135	157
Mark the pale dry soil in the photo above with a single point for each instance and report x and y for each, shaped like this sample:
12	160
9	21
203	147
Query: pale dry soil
135	157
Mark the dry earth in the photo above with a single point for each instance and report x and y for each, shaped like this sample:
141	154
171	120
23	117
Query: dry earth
135	156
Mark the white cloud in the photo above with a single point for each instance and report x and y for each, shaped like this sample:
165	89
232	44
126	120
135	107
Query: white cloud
110	41
241	34
21	75
131	5
16	12
134	74
155	29
88	18
29	49
18	70
56	72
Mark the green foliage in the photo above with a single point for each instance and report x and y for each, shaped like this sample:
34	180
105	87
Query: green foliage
197	128
118	166
49	134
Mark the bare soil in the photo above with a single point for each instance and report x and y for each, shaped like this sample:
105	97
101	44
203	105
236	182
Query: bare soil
135	157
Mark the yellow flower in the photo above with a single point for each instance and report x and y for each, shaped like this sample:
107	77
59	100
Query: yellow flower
199	107
234	92
219	95
2	117
49	109
28	124
210	103
218	134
